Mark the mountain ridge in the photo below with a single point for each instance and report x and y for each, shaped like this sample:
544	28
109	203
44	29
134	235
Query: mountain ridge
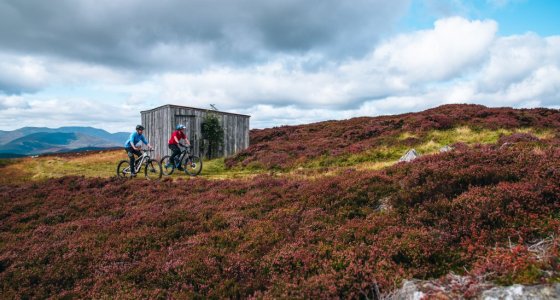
40	140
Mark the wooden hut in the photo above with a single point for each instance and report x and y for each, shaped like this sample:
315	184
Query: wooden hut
160	122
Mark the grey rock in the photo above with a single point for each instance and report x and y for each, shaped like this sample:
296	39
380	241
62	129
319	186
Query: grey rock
505	145
520	292
445	148
420	289
384	204
408	291
409	156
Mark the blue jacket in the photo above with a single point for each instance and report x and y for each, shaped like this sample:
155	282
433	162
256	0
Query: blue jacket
134	139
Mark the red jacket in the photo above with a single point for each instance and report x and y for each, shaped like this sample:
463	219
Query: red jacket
179	134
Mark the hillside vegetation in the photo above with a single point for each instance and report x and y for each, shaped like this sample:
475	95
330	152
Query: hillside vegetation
386	137
309	226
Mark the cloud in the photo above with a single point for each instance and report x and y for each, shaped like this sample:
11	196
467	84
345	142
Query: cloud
514	58
456	61
178	34
20	111
454	45
19	74
31	74
13	102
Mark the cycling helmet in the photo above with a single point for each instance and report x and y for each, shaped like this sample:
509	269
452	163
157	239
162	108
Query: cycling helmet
139	127
181	126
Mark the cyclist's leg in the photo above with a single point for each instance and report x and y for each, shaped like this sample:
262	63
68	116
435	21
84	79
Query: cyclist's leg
176	153
137	153
130	158
131	152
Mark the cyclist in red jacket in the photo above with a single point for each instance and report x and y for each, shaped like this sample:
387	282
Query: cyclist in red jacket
174	143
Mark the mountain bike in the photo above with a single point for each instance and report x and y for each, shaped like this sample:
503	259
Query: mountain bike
192	164
152	167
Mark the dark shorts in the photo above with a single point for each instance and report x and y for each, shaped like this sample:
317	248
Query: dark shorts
131	152
176	150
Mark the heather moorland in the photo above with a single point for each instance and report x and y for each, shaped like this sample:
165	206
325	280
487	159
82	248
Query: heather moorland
323	210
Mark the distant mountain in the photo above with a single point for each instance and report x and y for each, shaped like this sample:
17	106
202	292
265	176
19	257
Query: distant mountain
41	140
8	136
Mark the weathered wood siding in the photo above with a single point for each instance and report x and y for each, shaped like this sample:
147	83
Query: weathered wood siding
160	123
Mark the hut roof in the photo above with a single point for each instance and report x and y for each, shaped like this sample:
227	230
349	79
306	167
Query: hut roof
188	107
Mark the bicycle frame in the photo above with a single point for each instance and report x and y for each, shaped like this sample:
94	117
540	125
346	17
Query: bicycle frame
185	153
184	161
140	161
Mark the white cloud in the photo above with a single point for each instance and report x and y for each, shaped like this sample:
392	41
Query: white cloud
514	58
13	102
540	88
399	65
18	111
171	35
452	47
22	73
457	61
26	74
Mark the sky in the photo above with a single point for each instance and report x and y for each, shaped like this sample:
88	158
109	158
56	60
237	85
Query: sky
100	62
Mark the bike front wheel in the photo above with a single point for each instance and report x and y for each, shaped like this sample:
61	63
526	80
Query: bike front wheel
123	169
167	167
193	165
152	170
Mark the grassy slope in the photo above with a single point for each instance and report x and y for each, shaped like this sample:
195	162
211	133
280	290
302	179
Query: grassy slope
103	163
388	153
94	164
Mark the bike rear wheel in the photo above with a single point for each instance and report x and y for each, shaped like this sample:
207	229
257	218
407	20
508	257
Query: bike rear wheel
167	167
123	169
193	165
152	169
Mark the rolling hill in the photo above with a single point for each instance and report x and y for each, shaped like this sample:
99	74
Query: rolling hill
325	143
335	216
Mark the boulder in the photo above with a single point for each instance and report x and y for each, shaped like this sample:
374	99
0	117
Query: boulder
409	156
455	287
445	148
520	292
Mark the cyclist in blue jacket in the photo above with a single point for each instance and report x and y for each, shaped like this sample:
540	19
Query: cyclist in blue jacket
131	147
